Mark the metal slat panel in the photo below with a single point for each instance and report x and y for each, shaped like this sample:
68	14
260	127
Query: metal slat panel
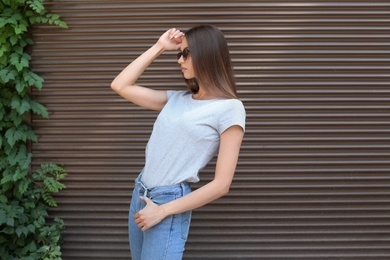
313	180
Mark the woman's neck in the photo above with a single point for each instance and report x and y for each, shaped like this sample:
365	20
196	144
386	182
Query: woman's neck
202	95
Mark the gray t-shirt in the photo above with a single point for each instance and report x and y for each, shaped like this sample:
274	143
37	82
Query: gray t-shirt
186	137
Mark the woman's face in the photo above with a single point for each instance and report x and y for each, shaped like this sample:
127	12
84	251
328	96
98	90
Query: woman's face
186	63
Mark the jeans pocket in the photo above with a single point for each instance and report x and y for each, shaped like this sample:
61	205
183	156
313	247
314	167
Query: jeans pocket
163	198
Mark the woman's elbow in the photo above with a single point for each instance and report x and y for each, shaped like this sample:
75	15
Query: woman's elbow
224	190
115	86
221	187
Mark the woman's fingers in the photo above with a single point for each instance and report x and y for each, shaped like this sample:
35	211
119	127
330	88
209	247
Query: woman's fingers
175	35
138	221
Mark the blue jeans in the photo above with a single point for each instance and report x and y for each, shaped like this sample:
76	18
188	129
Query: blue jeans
166	240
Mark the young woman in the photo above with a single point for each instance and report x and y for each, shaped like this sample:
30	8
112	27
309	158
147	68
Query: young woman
192	127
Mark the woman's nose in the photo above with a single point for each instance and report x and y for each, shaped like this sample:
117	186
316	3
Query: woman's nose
180	60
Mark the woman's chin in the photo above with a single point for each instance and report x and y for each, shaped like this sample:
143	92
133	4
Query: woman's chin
188	76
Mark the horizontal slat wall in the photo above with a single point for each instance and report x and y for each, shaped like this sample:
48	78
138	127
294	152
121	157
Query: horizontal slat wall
313	181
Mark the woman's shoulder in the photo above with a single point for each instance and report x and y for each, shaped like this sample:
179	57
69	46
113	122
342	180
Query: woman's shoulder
233	103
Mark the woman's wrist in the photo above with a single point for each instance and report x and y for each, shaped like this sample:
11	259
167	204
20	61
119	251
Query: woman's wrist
164	212
159	47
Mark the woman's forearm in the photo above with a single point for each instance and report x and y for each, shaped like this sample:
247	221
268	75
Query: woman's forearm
134	70
198	198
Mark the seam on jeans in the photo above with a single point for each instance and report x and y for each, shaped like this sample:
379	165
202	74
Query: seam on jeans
169	239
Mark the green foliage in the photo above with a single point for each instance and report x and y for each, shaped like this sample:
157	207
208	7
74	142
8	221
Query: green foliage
25	233
25	196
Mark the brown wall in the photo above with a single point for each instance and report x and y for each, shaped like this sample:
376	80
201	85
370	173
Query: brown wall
313	181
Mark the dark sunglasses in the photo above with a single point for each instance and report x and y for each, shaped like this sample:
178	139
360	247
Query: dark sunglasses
183	53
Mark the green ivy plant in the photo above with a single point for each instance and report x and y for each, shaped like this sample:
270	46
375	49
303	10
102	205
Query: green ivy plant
26	231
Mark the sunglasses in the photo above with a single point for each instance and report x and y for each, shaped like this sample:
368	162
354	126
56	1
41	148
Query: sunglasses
183	53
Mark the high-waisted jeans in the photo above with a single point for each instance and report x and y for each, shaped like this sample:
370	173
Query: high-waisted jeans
166	240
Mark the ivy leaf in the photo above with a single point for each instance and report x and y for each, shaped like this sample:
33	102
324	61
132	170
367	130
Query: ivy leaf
35	19
6	75
18	49
37	6
21	86
15	102
30	247
30	135
21	105
24	105
16	154
22	43
31	228
10	221
23	185
18	231
62	24
23	24
15	117
14	39
19	175
49	200
39	109
6	179
55	19
19	29
25	161
20	62
15	17
33	79
25	60
51	184
13	135
14	58
21	133
22	159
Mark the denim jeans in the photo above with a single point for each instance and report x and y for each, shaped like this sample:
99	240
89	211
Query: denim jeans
166	240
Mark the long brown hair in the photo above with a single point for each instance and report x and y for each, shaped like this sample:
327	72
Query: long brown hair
211	60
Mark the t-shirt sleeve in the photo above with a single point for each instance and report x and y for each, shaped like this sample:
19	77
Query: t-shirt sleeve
233	114
170	93
176	93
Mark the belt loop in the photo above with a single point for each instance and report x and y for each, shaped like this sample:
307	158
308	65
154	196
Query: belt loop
143	187
183	188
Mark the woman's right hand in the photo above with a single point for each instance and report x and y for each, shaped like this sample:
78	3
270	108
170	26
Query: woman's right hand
171	39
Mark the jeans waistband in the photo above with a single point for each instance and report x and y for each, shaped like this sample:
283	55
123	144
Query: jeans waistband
175	188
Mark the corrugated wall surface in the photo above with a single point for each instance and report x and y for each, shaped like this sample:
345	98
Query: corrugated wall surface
313	181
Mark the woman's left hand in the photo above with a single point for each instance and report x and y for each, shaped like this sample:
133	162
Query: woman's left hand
171	39
149	216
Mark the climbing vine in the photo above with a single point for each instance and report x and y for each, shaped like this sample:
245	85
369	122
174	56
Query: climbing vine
26	231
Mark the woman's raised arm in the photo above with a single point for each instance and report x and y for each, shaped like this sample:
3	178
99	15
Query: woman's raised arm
125	83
